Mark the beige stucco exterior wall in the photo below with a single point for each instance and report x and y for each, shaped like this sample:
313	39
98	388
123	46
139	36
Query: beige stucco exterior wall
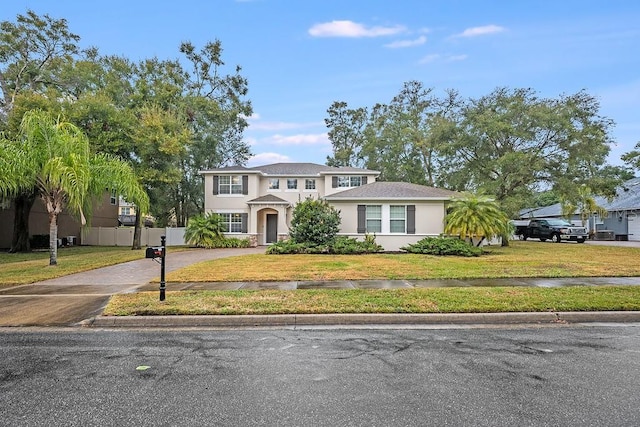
429	221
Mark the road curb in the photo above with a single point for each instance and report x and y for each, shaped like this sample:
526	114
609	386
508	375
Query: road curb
292	320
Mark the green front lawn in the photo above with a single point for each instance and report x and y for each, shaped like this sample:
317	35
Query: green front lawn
521	259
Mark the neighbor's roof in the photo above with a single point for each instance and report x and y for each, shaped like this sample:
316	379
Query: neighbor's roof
627	198
293	169
393	190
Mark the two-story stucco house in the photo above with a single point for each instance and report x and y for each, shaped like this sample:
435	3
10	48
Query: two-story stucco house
257	202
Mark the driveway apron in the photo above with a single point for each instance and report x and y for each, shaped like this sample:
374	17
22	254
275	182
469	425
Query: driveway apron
67	300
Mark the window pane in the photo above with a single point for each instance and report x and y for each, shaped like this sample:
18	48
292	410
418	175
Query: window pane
343	181
274	184
310	184
397	226
374	226
356	181
397	212
374	211
292	184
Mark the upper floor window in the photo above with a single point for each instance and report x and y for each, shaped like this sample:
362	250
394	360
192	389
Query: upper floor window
113	199
125	210
230	184
292	184
348	181
309	184
274	184
398	219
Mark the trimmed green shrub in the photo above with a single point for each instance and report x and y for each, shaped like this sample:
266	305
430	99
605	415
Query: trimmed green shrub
286	247
442	246
314	223
341	245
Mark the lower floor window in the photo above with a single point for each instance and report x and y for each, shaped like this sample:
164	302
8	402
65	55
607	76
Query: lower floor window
397	219
374	218
232	222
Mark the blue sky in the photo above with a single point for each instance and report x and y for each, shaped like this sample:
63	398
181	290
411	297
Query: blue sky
301	56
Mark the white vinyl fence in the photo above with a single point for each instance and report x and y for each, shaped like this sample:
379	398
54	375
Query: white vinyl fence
123	236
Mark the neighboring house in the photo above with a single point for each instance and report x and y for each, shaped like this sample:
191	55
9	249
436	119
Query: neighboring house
622	221
105	214
258	202
126	213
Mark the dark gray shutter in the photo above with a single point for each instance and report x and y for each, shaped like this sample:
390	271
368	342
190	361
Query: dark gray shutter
244	228
334	182
245	184
411	219
215	184
364	180
362	219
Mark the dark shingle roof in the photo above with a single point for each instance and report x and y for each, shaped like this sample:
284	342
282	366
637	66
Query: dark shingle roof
294	169
393	190
269	198
627	198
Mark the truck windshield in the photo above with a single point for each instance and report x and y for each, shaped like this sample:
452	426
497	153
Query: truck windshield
559	222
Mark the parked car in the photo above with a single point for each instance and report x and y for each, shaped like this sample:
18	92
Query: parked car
555	230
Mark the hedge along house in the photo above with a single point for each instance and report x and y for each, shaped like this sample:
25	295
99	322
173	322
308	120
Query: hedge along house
623	214
257	203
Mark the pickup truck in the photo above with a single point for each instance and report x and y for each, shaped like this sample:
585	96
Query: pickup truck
553	229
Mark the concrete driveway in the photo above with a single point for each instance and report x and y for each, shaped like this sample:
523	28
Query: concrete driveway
70	299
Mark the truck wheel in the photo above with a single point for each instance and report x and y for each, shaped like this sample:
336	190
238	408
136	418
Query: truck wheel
542	239
555	238
580	240
522	236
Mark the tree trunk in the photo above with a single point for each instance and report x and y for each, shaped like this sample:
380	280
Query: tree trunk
53	239
505	240
20	241
137	232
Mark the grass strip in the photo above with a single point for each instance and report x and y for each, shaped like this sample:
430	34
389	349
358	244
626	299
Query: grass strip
423	300
18	269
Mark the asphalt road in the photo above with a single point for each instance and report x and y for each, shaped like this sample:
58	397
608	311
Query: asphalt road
578	375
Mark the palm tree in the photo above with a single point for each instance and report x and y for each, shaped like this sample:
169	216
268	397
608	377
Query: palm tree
53	157
204	230
476	216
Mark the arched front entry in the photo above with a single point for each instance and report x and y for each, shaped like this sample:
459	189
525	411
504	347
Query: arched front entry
268	226
271	233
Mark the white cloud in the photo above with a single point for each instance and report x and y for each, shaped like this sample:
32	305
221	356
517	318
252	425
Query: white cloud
436	57
276	126
481	31
430	58
300	139
352	29
407	43
455	58
267	158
